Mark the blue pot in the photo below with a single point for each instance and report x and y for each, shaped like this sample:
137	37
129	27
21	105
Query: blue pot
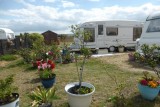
48	83
148	92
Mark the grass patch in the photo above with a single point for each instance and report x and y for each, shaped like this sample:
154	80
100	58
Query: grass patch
94	73
8	57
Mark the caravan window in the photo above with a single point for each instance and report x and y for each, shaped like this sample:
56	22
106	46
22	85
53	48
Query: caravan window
136	33
111	31
154	26
92	38
100	29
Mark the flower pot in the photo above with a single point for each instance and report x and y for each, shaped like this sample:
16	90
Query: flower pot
46	105
131	57
48	83
79	100
14	103
121	49
148	92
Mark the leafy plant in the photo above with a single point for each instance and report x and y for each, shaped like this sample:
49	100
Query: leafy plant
120	46
25	53
148	80
6	90
34	37
152	57
46	69
85	52
42	96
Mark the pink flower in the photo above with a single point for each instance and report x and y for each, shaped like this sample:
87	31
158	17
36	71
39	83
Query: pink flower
44	66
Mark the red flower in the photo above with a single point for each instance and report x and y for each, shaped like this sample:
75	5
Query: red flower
43	62
38	63
49	62
52	65
144	82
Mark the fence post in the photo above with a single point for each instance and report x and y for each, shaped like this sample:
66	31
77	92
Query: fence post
17	42
3	46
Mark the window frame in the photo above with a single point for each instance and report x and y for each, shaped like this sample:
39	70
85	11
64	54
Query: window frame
152	28
116	32
100	29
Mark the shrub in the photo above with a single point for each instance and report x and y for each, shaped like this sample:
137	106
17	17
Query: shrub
7	89
25	54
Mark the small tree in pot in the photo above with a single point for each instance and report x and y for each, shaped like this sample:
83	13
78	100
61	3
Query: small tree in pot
79	92
8	97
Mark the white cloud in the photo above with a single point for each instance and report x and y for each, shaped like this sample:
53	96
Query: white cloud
42	18
50	1
67	4
94	0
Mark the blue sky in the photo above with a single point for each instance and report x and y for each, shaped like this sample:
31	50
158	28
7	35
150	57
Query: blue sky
57	15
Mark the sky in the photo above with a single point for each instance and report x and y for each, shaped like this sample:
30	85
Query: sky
57	15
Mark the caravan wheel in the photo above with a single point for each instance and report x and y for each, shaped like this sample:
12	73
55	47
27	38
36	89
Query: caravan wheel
112	49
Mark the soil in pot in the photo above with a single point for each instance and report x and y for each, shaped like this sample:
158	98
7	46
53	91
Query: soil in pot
80	90
10	99
46	105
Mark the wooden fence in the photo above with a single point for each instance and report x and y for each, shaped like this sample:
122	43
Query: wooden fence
7	47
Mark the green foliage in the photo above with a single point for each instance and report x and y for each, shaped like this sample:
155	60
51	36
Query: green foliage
39	50
80	90
84	90
46	74
6	89
56	51
150	56
36	37
86	52
8	57
41	95
83	36
25	53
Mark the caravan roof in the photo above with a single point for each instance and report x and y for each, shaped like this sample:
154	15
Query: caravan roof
6	30
155	15
112	23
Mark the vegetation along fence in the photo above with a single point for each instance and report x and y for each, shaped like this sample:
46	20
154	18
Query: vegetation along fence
8	46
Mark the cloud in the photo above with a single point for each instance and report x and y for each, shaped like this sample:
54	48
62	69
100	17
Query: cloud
94	0
49	1
34	18
67	4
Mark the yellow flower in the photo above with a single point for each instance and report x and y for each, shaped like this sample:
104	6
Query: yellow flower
153	84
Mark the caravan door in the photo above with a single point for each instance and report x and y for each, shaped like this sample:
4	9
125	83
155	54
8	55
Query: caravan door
100	36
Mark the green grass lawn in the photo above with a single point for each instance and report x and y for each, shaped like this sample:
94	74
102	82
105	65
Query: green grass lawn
27	79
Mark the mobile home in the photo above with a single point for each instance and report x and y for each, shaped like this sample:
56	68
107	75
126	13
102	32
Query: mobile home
6	34
151	31
111	34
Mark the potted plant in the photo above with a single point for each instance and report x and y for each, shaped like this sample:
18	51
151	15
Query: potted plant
121	48
46	73
80	93
42	97
8	95
131	56
148	86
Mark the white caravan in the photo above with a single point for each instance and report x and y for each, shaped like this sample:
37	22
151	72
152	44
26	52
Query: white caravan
6	34
151	31
111	34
